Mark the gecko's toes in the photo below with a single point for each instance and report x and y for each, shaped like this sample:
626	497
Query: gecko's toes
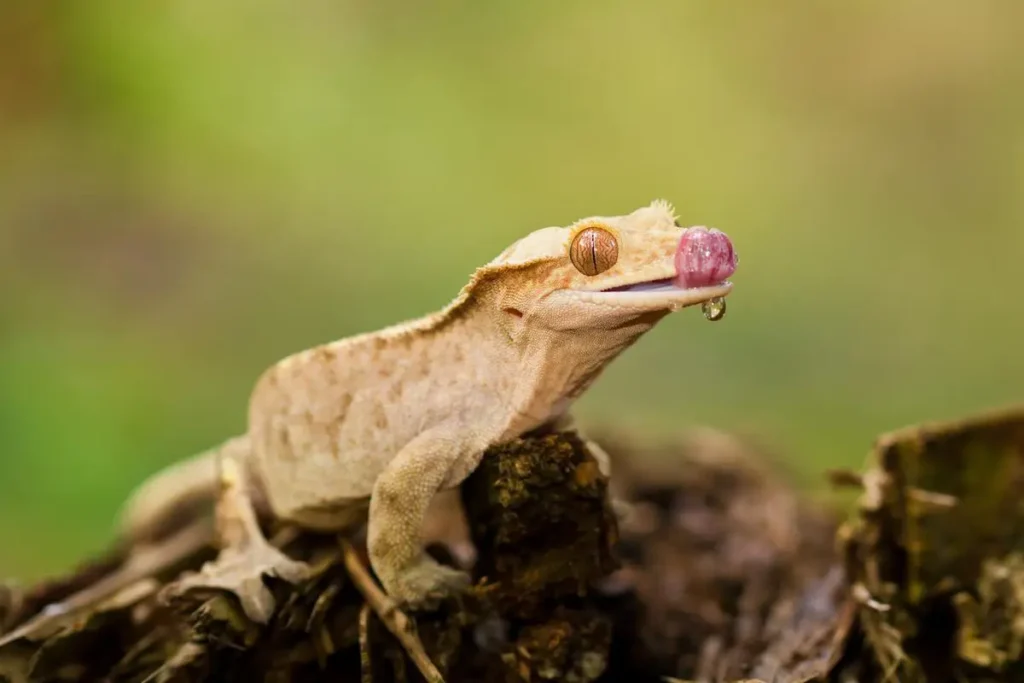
424	586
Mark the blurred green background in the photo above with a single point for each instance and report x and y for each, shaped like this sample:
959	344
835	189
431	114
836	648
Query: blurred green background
190	190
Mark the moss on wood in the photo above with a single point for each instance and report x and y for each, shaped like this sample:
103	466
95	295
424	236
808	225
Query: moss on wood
719	572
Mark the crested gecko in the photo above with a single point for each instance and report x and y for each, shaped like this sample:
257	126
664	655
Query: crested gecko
366	430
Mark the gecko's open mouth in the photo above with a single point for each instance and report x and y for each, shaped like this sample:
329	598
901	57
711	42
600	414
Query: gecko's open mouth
667	284
662	285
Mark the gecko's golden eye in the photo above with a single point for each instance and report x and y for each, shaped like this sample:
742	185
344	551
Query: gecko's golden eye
593	251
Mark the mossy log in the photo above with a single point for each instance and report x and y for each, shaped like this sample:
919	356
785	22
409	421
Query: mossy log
719	571
937	555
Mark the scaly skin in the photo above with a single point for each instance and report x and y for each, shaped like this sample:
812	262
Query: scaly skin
394	416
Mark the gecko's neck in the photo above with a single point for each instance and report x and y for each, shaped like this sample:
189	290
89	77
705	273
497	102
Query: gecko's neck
557	367
521	378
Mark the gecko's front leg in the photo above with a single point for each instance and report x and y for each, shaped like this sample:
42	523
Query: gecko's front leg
398	506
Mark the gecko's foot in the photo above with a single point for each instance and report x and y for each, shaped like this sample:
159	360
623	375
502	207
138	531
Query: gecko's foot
242	573
426	584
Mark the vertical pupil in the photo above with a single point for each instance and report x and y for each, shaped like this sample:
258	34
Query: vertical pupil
593	251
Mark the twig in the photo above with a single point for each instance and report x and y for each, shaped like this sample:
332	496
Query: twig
862	594
365	664
844	478
403	628
932	501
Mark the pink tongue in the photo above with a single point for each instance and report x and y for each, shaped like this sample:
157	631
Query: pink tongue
703	258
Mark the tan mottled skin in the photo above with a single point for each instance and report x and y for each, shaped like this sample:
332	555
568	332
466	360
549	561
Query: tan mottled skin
394	416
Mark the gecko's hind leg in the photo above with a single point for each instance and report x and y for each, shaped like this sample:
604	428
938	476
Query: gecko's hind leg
246	558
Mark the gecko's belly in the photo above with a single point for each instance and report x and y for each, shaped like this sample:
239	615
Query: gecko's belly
318	481
308	464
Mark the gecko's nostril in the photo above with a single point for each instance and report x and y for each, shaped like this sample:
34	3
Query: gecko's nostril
704	257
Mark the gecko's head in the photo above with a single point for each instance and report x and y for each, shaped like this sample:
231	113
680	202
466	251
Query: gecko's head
606	271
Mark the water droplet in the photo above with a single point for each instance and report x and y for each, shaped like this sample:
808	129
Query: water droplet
714	309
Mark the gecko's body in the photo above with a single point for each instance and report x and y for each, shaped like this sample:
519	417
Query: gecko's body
385	420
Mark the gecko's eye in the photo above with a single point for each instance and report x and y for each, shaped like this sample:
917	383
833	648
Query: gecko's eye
593	251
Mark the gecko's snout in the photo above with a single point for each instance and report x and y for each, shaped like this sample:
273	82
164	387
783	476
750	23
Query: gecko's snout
704	257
